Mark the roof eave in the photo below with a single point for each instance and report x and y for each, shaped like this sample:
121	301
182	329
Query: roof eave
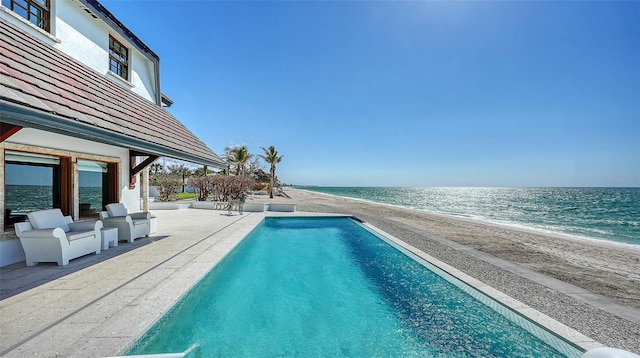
21	115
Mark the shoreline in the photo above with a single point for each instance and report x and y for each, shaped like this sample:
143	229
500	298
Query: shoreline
603	299
514	227
487	221
100	304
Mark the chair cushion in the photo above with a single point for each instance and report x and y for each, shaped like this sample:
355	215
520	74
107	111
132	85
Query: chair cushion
116	209
141	222
48	219
75	235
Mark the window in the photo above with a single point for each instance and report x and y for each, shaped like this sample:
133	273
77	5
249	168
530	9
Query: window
118	58
36	181
93	187
32	183
36	12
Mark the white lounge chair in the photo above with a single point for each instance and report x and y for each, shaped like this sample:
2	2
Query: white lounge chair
51	237
130	225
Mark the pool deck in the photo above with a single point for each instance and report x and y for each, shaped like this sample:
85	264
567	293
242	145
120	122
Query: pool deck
99	304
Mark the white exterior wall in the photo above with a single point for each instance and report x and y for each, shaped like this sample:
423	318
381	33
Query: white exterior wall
11	252
141	75
85	38
78	34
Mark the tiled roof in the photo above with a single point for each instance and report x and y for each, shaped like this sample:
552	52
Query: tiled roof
43	88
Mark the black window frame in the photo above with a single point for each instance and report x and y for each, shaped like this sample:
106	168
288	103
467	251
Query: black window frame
40	10
56	189
118	58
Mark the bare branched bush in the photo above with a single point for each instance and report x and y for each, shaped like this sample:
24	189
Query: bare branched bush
221	187
260	186
203	185
225	187
167	185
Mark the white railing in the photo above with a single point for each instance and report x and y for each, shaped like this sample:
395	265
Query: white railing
193	348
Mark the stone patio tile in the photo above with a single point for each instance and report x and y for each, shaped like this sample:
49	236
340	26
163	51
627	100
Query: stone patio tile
57	340
98	347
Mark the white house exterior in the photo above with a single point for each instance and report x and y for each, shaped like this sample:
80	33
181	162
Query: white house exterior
80	112
78	29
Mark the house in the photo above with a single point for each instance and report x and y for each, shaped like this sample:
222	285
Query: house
82	115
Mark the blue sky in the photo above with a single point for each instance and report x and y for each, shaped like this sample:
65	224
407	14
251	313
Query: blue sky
408	93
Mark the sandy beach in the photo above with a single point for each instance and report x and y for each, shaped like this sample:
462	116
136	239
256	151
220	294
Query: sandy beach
591	286
96	306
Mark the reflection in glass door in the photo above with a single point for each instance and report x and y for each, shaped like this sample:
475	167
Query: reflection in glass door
32	182
93	187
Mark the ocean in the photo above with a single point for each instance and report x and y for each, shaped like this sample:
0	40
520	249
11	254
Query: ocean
611	214
27	198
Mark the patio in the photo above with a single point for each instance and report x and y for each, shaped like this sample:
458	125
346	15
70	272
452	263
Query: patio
98	304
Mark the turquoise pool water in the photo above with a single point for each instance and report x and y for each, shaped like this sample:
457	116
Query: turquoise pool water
312	287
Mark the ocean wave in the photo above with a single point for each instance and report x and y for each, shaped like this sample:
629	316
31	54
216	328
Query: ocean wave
593	214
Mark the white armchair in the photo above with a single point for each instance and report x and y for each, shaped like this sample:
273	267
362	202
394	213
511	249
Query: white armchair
130	226
51	237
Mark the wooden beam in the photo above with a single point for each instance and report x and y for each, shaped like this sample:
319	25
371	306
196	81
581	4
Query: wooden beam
66	186
144	164
134	168
132	165
113	193
7	130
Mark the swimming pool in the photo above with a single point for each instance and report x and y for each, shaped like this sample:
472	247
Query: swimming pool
329	287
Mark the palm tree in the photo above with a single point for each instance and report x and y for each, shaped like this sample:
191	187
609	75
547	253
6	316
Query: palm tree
156	168
180	170
271	156
228	158
200	172
240	157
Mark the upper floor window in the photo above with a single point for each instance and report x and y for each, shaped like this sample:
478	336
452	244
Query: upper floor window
36	12
118	58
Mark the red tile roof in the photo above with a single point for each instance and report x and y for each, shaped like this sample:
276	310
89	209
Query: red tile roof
43	88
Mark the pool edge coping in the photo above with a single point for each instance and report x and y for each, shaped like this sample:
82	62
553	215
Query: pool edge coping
241	229
158	299
563	331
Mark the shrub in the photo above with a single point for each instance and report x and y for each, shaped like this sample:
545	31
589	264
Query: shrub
225	188
203	186
260	186
221	187
167	185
